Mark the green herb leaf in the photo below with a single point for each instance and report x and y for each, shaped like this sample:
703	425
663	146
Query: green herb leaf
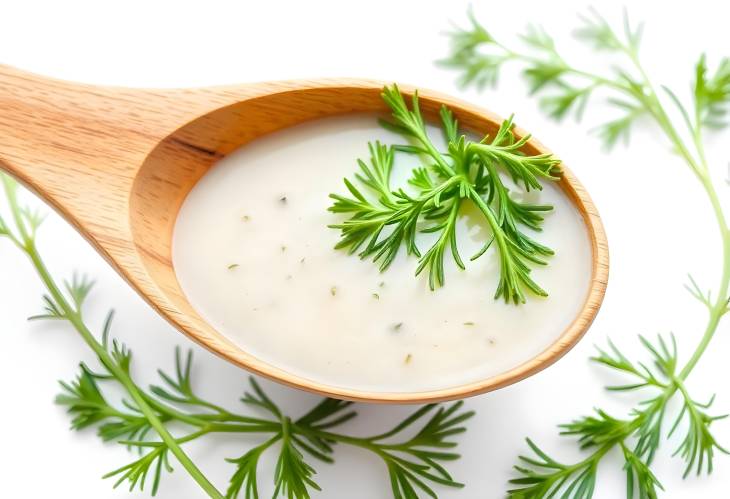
712	93
567	88
143	419
469	172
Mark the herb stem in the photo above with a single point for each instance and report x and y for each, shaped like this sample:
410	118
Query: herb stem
129	385
491	219
337	437
719	308
541	475
665	123
172	412
74	318
270	427
701	170
596	79
444	181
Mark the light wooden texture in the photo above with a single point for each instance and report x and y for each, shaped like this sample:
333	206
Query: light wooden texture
117	163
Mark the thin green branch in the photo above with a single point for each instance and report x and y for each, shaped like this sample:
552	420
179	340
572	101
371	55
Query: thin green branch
480	57
414	464
73	316
470	172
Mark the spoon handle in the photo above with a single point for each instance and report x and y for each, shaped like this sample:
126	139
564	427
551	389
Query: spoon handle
66	140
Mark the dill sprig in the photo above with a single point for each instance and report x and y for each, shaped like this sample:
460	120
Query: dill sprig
141	421
567	89
468	172
639	436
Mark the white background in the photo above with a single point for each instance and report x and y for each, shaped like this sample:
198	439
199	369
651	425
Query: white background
658	222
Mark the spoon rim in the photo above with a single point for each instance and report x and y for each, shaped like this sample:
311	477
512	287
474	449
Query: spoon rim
568	184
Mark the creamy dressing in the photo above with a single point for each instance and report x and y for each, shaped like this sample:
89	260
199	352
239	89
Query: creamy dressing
255	257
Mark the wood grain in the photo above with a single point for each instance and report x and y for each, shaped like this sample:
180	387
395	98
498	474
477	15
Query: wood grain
117	163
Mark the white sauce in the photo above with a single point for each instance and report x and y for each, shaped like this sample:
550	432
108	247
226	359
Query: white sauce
291	300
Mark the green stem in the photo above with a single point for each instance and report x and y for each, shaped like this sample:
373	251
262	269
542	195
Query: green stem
719	308
172	413
656	108
193	436
594	458
364	443
596	79
697	136
243	428
434	153
701	170
75	319
491	220
200	420
441	188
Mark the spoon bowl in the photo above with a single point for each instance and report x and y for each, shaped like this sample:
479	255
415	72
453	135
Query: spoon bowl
117	163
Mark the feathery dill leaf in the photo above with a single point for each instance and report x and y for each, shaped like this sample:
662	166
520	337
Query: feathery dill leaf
542	476
712	93
468	172
142	420
566	89
698	446
639	436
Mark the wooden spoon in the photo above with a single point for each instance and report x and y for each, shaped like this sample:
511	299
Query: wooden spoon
117	163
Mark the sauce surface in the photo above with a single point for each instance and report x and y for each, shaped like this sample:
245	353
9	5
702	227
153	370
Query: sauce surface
253	253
